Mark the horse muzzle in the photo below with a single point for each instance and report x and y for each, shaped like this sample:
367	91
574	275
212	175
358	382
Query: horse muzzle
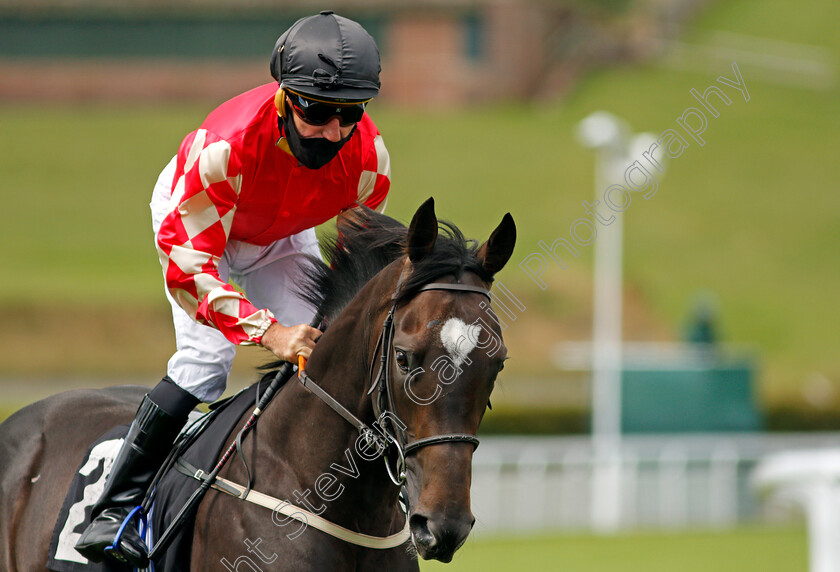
438	537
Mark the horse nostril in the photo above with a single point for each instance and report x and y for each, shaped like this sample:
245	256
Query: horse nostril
420	531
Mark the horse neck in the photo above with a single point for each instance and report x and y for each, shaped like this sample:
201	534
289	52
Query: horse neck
314	440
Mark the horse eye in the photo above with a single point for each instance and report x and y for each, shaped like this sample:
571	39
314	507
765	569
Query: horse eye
402	360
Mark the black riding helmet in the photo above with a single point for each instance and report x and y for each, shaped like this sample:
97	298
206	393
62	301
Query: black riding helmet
327	57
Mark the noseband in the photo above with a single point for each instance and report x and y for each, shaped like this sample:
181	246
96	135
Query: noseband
384	406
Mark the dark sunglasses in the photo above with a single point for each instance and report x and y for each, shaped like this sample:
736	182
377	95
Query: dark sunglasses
320	113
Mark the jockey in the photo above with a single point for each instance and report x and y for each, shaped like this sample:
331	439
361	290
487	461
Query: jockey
239	202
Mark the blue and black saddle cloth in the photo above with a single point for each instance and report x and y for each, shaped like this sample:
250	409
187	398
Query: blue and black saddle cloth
200	445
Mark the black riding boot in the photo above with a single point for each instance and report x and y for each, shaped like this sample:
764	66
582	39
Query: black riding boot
159	419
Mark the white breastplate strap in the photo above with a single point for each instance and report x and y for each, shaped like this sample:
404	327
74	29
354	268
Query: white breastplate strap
307	517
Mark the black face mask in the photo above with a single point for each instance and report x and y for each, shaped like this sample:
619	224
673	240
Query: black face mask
312	152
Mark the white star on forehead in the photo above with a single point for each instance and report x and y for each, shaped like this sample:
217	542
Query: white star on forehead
459	339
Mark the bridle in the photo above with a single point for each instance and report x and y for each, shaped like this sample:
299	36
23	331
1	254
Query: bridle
391	434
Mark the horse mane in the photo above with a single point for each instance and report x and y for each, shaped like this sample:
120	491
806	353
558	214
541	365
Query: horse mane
366	243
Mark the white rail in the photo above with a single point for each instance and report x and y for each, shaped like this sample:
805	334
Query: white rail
667	481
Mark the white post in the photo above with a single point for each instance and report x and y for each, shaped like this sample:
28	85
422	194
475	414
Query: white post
822	502
810	478
608	135
611	137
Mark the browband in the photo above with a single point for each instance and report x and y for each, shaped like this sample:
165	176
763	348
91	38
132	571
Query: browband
460	287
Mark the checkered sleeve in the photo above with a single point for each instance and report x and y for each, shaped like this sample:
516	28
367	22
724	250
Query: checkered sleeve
375	180
193	236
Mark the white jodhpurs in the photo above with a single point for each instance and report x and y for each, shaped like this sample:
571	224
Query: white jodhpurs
268	275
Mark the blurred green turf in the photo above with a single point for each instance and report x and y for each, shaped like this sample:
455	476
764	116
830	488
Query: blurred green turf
740	550
751	216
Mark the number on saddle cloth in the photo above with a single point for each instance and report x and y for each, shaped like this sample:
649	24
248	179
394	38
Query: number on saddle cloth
74	516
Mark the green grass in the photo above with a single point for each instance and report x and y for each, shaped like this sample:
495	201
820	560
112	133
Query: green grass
750	216
78	180
741	550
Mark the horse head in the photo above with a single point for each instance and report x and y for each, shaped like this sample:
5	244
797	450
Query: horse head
446	352
418	300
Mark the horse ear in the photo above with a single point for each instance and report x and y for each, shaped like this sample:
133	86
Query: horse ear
422	232
495	253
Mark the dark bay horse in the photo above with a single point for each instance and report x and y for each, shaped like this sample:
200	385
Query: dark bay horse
410	343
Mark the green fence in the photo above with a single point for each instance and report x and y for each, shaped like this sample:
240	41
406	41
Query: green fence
701	392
